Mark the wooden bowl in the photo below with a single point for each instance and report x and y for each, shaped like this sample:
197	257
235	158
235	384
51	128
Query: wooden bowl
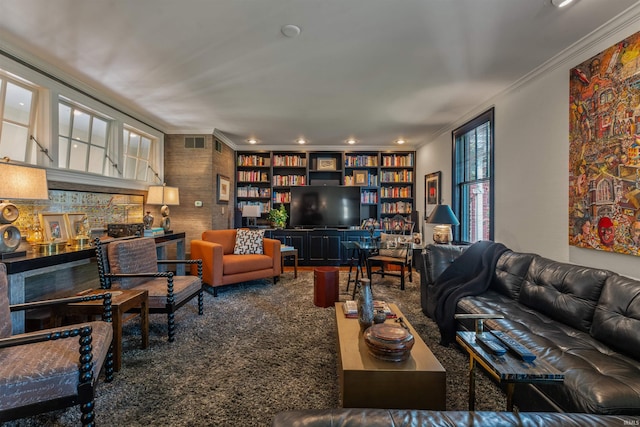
389	342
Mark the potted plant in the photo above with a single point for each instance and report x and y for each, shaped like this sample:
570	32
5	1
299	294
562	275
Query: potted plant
278	217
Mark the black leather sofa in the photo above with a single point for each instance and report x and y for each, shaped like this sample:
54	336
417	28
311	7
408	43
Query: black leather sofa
405	418
584	321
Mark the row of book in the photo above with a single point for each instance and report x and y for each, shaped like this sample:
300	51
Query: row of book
350	308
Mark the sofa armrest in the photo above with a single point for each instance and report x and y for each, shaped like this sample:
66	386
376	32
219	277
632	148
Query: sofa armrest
271	248
211	255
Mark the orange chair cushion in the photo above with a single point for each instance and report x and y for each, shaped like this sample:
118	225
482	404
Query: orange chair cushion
234	264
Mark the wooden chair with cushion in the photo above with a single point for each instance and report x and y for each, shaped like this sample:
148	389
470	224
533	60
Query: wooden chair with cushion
54	368
133	264
395	249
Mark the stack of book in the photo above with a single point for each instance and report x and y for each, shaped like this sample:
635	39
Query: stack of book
350	309
154	232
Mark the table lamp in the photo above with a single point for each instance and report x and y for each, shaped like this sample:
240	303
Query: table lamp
165	196
18	182
445	218
251	212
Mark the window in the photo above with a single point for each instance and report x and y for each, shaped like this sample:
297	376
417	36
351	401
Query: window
138	152
17	109
83	138
473	192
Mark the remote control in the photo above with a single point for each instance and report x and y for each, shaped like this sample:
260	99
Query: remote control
515	346
492	344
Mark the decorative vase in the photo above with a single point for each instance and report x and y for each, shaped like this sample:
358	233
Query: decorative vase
365	304
379	317
147	220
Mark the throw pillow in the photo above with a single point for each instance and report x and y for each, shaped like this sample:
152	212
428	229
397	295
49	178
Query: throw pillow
248	242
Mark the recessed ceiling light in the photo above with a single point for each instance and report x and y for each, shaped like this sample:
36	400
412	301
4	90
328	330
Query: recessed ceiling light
301	141
290	31
351	141
561	3
400	141
252	141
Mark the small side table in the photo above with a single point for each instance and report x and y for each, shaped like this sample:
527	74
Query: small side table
287	252
122	301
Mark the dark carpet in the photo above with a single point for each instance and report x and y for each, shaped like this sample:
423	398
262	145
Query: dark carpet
259	349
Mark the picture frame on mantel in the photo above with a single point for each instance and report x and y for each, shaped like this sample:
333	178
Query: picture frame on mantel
432	189
224	189
54	226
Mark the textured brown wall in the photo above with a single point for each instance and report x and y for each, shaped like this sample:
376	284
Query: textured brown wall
194	172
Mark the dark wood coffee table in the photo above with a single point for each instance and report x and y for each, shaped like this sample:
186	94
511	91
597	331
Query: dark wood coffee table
508	368
122	301
366	382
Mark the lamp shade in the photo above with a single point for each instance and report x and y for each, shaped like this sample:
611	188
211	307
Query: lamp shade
251	211
23	182
163	195
442	214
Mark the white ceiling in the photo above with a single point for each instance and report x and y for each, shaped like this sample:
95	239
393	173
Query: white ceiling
375	70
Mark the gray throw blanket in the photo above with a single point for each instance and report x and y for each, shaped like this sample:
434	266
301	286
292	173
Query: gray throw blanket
469	274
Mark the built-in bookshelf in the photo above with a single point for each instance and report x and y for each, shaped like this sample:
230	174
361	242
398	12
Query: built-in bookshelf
386	179
253	180
397	178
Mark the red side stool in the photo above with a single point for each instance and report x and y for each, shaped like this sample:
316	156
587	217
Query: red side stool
325	286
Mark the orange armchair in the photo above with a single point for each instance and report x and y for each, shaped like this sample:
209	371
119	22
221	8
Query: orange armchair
220	266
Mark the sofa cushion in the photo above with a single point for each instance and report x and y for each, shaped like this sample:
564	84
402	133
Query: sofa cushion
616	320
511	270
248	242
132	256
565	292
5	314
234	264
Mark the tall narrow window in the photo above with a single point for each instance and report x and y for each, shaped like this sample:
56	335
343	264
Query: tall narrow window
139	150
473	178
17	110
83	138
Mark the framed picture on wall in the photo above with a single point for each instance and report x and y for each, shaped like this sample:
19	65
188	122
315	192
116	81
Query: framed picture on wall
431	192
224	189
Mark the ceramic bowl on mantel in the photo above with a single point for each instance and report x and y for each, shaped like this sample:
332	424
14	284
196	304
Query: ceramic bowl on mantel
389	342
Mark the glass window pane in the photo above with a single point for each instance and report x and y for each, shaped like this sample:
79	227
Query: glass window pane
17	105
134	143
145	147
13	142
142	170
99	132
81	126
96	159
78	158
64	119
130	168
63	152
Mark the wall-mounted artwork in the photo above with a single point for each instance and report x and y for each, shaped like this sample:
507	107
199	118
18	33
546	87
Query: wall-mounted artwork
604	150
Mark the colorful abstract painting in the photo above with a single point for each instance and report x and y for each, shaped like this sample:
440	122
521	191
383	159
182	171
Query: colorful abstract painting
604	156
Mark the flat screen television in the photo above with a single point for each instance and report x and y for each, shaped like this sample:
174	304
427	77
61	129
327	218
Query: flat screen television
324	206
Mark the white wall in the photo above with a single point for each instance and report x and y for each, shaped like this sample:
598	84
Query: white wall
532	158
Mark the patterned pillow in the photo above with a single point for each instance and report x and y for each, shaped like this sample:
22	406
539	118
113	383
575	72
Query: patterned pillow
248	242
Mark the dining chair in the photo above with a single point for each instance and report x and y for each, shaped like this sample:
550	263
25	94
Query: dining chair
395	248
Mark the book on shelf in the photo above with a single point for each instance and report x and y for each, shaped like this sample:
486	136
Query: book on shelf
350	308
154	232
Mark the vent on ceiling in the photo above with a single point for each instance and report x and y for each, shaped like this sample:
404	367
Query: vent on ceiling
194	142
